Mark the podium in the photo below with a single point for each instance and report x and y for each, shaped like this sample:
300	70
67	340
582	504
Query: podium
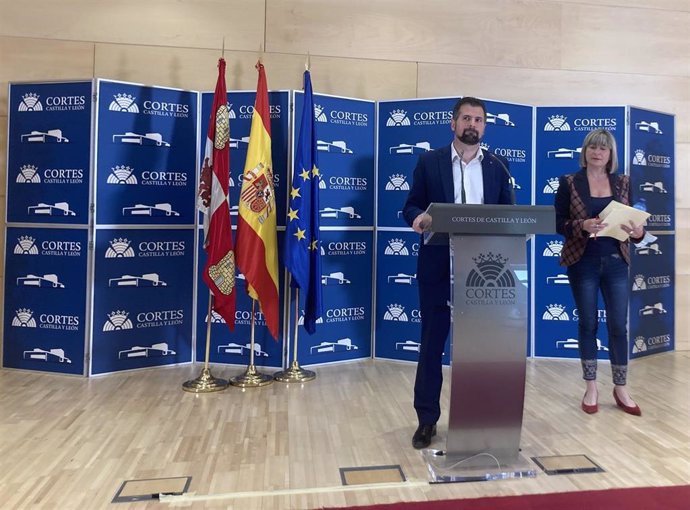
489	328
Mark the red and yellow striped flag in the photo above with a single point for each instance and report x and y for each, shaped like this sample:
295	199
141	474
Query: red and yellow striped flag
256	246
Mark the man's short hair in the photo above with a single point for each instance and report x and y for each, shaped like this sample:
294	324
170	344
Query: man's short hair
472	101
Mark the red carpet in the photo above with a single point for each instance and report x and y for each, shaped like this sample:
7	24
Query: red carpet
643	498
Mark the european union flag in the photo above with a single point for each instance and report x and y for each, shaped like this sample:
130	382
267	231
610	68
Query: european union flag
302	248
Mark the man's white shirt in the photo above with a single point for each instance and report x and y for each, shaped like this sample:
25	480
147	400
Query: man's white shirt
474	179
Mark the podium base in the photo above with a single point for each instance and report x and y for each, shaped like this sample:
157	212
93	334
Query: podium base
475	468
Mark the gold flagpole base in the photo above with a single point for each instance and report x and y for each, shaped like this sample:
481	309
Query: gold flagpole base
294	374
251	379
205	383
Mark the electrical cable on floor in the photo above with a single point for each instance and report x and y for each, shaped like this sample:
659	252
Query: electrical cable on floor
185	499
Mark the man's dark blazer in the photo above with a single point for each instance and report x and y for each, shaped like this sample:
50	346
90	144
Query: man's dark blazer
433	182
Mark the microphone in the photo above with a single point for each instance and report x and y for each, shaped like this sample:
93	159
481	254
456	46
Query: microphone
463	198
510	177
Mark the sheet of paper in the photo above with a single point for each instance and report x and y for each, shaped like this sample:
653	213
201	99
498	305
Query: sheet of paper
616	214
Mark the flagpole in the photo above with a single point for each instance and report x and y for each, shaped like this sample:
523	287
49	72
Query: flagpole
251	378
206	383
295	374
302	260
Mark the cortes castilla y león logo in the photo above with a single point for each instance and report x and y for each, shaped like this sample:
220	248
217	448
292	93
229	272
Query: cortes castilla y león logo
551	186
28	174
123	103
557	123
395	312
398	118
396	247
26	245
652	160
555	312
122	174
117	321
24	318
319	114
553	249
397	182
490	282
120	247
30	103
490	271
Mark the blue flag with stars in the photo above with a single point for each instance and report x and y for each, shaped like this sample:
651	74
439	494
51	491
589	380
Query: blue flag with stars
302	248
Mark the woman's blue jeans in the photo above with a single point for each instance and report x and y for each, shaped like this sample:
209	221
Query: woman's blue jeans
587	277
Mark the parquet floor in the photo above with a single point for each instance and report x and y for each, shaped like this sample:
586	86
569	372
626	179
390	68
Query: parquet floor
69	442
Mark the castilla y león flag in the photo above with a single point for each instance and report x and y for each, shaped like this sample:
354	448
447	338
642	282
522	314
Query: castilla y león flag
257	244
219	271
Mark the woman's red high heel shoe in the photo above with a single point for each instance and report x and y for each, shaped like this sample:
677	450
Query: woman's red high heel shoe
587	408
634	410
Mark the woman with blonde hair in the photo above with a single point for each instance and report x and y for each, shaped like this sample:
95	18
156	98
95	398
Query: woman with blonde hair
598	263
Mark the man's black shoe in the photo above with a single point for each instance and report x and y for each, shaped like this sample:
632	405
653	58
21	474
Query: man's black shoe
422	436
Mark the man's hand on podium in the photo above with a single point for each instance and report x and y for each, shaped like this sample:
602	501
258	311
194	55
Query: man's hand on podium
422	223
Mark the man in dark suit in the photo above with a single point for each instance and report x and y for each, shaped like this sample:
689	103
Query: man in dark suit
458	173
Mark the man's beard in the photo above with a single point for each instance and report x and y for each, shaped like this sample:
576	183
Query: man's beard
469	137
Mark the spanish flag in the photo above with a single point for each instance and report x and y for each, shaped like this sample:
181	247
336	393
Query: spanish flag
256	246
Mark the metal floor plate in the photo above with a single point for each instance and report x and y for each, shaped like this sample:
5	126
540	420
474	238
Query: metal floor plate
142	490
371	474
567	464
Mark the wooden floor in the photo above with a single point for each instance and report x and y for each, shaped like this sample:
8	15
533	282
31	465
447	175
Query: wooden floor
70	443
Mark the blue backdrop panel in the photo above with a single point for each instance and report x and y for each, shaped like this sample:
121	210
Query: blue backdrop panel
241	107
652	300
234	347
560	131
146	155
344	332
509	134
345	145
411	127
555	314
49	151
45	302
652	166
398	326
509	129
142	312
652	160
147	163
407	129
346	150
